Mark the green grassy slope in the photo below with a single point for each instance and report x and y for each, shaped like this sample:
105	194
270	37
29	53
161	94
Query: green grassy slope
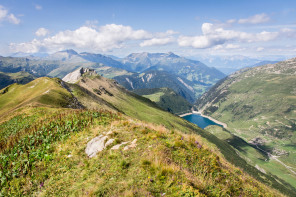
260	104
166	98
49	159
42	91
42	148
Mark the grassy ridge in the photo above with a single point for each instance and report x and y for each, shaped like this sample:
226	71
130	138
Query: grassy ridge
49	159
42	91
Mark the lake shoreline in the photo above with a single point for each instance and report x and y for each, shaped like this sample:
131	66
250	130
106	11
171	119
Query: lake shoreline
205	116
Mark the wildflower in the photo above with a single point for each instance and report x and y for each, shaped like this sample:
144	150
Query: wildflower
41	184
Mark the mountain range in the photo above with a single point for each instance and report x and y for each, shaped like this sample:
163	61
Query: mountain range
191	78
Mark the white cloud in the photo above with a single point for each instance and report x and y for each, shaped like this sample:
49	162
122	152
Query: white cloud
232	46
215	35
165	34
218	47
227	46
160	38
260	49
6	16
28	47
42	32
100	39
157	41
38	7
3	13
12	19
256	19
289	32
105	38
231	21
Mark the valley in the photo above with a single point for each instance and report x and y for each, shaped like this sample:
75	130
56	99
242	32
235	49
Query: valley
256	103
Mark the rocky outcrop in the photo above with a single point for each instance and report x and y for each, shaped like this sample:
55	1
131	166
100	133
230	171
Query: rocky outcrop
132	145
74	76
101	142
97	144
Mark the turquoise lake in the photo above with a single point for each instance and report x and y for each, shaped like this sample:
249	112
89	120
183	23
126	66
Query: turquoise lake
200	121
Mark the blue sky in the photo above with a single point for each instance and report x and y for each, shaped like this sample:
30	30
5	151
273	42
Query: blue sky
189	28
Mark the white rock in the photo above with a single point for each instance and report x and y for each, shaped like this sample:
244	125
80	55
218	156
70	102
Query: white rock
132	145
116	147
95	145
110	141
134	141
126	148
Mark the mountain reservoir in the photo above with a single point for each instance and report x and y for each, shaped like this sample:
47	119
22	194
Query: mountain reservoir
199	120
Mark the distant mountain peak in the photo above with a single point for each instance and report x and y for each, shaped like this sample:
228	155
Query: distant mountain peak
171	54
70	51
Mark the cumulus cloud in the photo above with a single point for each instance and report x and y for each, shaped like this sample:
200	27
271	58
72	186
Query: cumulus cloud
165	34
214	35
6	16
232	46
42	32
157	41
12	19
105	38
28	47
256	19
160	38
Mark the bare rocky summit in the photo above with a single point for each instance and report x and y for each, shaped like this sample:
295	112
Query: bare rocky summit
74	76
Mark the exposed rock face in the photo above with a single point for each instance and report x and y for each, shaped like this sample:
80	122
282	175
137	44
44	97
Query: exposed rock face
132	145
101	142
117	146
97	145
74	76
257	141
279	152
